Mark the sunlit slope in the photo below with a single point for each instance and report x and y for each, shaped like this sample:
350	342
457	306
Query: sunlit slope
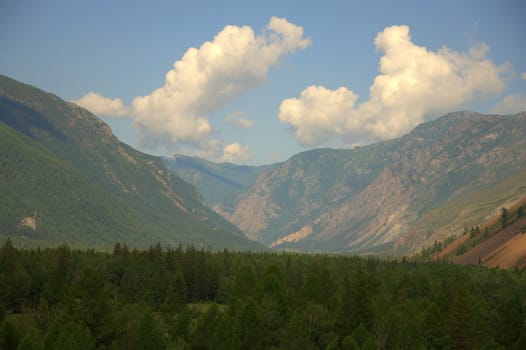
391	197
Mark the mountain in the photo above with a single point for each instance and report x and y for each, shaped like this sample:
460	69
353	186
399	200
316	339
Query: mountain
498	241
391	197
219	183
66	178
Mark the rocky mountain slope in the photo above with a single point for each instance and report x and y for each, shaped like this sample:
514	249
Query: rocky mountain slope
498	241
394	196
64	177
219	183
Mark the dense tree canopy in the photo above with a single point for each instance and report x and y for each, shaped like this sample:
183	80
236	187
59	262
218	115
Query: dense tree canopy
186	298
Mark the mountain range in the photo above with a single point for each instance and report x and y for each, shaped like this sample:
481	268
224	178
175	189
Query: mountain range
391	197
219	183
65	178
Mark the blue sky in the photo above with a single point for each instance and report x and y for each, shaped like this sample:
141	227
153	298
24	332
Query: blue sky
282	78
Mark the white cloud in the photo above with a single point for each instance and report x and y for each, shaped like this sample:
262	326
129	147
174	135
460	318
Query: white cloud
319	113
205	78
239	119
510	104
234	153
414	84
523	76
101	105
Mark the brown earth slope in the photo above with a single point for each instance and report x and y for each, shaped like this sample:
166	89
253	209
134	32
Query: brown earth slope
498	246
506	249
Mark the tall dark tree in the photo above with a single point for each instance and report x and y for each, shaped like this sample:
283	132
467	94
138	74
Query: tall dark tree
224	337
520	211
504	216
91	301
60	275
176	295
9	335
149	335
248	325
75	337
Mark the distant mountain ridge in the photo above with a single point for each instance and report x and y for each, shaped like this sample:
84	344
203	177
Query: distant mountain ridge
219	183
67	178
383	198
391	197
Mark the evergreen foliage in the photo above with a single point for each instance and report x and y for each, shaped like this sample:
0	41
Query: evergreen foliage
188	298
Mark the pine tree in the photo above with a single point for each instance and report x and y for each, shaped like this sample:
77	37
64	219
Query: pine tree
149	335
9	335
504	217
224	337
74	337
248	326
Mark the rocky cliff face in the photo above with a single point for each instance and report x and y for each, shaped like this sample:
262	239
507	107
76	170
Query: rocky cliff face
393	196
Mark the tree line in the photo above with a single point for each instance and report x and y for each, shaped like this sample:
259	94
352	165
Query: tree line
188	298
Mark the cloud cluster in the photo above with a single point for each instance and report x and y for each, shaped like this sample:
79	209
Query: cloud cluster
101	105
414	84
204	79
239	120
510	104
234	152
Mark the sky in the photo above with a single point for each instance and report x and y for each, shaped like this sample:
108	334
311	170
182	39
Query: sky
257	82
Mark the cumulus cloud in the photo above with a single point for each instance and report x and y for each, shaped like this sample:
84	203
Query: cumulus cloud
101	105
239	119
319	113
234	152
510	105
205	78
208	77
414	85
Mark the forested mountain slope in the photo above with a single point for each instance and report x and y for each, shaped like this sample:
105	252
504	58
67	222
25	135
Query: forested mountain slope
66	178
219	183
394	196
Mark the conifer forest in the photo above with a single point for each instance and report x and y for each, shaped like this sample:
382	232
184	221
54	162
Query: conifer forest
189	298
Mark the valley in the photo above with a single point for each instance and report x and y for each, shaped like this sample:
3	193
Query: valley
68	179
388	198
299	175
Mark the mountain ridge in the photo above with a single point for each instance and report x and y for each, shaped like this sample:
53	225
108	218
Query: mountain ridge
405	178
219	183
147	201
391	197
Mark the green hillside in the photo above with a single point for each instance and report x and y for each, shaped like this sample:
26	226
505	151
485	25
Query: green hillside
57	197
219	183
64	170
